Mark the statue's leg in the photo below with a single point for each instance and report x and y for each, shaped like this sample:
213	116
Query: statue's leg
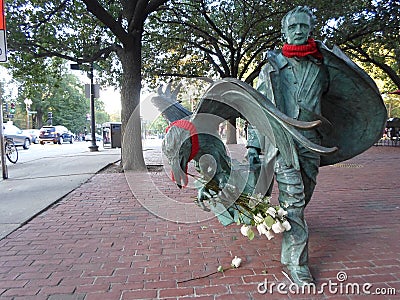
309	186
309	164
295	241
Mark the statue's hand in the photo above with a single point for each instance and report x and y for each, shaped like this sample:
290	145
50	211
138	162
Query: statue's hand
229	193
253	158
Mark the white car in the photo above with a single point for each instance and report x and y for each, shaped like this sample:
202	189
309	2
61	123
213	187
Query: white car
20	139
33	133
88	137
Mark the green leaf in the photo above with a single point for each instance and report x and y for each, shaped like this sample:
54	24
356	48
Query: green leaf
269	221
250	234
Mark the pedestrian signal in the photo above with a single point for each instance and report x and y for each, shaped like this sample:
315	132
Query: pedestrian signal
12	108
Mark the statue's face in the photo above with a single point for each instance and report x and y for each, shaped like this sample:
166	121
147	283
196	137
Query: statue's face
297	29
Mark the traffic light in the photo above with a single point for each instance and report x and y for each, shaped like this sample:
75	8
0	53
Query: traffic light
5	107
12	108
50	118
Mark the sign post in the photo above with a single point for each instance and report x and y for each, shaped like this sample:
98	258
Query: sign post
3	58
3	41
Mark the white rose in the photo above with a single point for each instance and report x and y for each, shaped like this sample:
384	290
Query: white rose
282	212
262	229
236	262
271	211
286	225
245	229
269	235
258	218
277	227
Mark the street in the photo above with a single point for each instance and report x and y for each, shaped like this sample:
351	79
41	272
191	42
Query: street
44	174
31	161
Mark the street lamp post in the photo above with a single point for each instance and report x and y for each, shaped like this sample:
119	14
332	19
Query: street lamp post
93	147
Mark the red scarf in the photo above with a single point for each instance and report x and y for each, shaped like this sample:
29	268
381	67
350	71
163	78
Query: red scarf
302	50
187	125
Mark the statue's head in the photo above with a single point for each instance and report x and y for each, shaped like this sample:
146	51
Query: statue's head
298	25
177	147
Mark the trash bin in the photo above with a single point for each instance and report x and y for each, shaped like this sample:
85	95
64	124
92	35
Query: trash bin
115	135
112	134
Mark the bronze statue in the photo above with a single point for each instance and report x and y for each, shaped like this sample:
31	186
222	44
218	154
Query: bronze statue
313	107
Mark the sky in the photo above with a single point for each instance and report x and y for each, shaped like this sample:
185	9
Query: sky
112	102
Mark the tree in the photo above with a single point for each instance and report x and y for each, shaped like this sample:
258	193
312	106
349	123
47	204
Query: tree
56	91
86	31
227	39
158	125
369	33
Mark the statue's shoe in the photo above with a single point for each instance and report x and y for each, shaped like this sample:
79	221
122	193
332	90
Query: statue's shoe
300	275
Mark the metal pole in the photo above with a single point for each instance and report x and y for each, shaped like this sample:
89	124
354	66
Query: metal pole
27	116
2	148
93	147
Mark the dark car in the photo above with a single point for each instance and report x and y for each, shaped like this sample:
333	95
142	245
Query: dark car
67	137
55	134
20	139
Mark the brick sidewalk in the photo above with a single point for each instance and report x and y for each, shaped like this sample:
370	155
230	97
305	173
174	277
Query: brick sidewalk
99	242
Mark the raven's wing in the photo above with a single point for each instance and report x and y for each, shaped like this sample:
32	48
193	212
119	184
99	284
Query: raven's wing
167	104
229	97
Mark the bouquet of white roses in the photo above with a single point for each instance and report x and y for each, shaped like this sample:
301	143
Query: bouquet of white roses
247	210
267	218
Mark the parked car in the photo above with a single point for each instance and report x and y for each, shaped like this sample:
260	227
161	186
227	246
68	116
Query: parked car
56	134
88	137
67	137
20	139
33	133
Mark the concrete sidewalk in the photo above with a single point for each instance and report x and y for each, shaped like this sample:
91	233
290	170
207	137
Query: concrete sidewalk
23	195
100	242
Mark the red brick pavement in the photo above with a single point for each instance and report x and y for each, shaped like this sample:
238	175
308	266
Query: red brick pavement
99	242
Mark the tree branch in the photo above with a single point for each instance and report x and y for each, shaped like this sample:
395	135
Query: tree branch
100	13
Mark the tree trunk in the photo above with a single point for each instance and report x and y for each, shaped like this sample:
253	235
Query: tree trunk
231	132
132	151
39	118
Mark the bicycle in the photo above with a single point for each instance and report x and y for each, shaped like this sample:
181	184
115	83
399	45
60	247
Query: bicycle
11	150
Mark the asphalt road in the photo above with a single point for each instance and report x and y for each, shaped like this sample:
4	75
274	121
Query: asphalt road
44	174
